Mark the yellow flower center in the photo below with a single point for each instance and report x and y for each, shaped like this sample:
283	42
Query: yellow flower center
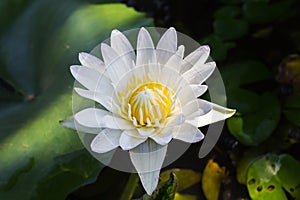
150	103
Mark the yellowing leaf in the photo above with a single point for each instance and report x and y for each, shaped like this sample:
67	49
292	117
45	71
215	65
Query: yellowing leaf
186	177
212	177
185	197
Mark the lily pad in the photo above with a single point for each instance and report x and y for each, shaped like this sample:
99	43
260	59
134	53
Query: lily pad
252	128
265	11
270	175
218	46
292	109
36	152
227	12
230	28
257	114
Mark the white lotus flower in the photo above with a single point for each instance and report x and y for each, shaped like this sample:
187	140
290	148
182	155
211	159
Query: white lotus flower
149	98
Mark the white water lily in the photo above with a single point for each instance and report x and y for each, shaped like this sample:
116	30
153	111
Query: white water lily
148	98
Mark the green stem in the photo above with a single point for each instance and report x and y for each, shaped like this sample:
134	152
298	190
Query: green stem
130	187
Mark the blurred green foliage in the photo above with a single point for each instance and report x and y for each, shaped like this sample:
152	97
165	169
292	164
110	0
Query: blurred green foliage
39	159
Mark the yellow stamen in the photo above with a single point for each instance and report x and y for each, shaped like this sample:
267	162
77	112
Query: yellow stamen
149	104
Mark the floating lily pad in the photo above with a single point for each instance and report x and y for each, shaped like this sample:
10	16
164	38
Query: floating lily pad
265	11
292	109
257	114
230	28
219	48
36	152
270	175
227	12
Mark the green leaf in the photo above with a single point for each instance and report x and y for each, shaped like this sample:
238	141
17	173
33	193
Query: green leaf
244	72
267	176
292	109
230	28
186	177
257	115
227	12
185	197
254	127
39	158
219	48
265	11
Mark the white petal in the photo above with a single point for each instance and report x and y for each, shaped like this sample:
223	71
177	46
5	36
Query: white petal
173	120
71	123
145	49
114	122
106	140
218	113
123	47
86	76
147	159
198	89
150	181
163	136
198	105
175	61
130	139
115	66
145	131
102	98
199	73
198	56
93	117
91	61
186	94
166	46
188	133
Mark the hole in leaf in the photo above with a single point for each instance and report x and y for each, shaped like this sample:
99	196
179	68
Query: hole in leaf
292	189
271	187
267	157
259	188
273	165
252	181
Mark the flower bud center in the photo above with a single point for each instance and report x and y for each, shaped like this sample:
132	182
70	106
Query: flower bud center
149	104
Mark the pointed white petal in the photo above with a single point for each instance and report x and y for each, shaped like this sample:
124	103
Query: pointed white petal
218	113
166	46
150	181
147	159
102	98
114	122
91	61
106	140
198	105
130	139
145	49
86	76
199	73
175	60
71	123
198	56
123	47
188	133
198	89
163	136
93	117
115	66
